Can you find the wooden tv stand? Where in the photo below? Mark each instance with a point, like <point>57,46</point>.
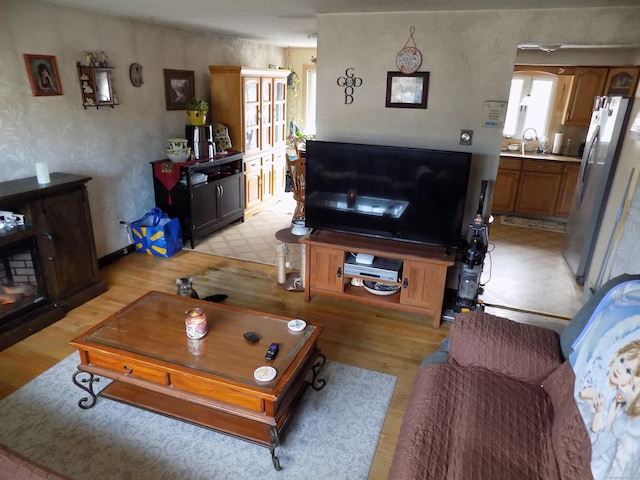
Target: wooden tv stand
<point>424,271</point>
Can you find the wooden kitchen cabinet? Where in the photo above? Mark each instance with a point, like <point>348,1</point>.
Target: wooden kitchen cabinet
<point>251,103</point>
<point>567,189</point>
<point>535,188</point>
<point>622,81</point>
<point>539,186</point>
<point>587,83</point>
<point>424,272</point>
<point>506,187</point>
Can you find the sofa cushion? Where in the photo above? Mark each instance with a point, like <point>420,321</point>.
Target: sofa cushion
<point>569,436</point>
<point>520,351</point>
<point>469,423</point>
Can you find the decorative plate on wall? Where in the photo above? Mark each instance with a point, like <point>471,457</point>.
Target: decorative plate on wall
<point>409,60</point>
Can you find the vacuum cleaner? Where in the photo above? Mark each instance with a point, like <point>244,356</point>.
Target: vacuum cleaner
<point>472,254</point>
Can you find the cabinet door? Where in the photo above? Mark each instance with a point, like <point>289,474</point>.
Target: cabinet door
<point>229,195</point>
<point>251,114</point>
<point>66,243</point>
<point>280,112</point>
<point>267,178</point>
<point>423,284</point>
<point>279,172</point>
<point>504,195</point>
<point>588,82</point>
<point>252,189</point>
<point>506,188</point>
<point>204,205</point>
<point>266,113</point>
<point>326,268</point>
<point>567,189</point>
<point>252,183</point>
<point>622,81</point>
<point>538,193</point>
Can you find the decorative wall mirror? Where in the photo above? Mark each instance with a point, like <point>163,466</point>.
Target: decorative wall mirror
<point>96,86</point>
<point>103,86</point>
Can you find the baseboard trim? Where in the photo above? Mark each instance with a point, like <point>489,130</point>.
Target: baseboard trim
<point>115,256</point>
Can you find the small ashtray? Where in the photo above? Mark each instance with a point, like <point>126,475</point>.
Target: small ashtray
<point>265,374</point>
<point>297,325</point>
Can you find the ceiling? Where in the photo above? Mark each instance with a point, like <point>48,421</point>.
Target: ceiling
<point>293,23</point>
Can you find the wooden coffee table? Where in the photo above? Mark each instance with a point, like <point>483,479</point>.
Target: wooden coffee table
<point>210,381</point>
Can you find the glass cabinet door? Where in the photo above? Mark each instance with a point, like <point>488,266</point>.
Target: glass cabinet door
<point>279,112</point>
<point>267,113</point>
<point>251,114</point>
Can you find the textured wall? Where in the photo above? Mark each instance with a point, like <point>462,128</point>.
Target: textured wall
<point>470,57</point>
<point>114,146</point>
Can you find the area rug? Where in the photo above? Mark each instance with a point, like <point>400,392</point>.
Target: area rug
<point>333,435</point>
<point>548,225</point>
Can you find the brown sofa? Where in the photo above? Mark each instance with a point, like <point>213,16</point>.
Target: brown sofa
<point>497,403</point>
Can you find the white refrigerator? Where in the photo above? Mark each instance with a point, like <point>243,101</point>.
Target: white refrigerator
<point>602,148</point>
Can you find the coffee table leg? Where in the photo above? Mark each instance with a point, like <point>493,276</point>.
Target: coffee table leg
<point>84,402</point>
<point>318,383</point>
<point>275,441</point>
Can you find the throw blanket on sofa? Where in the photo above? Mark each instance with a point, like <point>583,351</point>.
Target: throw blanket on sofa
<point>606,362</point>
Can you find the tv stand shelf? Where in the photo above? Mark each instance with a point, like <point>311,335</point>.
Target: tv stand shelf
<point>424,271</point>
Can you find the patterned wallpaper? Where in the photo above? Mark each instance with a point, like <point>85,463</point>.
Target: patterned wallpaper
<point>113,146</point>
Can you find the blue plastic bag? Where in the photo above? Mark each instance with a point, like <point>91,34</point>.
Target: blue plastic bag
<point>156,234</point>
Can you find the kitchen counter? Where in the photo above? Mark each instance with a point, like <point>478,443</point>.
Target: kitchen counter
<point>539,156</point>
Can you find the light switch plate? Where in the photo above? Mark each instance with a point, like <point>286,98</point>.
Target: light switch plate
<point>465,137</point>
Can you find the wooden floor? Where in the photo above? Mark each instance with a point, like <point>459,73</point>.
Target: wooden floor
<point>367,337</point>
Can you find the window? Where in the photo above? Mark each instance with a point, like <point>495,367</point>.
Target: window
<point>530,101</point>
<point>309,126</point>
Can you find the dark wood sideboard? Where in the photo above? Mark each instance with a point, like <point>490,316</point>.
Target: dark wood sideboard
<point>205,205</point>
<point>58,223</point>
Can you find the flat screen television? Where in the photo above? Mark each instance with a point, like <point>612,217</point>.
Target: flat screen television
<point>408,194</point>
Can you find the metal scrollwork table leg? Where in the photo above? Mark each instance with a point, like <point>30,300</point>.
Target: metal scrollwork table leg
<point>85,402</point>
<point>275,442</point>
<point>318,383</point>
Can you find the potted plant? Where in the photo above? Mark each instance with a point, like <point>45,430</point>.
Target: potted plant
<point>197,110</point>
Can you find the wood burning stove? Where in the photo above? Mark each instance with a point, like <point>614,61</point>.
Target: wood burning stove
<point>22,288</point>
<point>48,264</point>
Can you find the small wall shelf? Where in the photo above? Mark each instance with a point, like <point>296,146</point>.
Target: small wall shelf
<point>96,86</point>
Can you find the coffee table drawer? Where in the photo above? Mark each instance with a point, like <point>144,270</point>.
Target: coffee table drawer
<point>215,391</point>
<point>127,367</point>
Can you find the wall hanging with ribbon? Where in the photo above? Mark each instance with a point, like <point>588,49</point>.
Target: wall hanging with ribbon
<point>409,58</point>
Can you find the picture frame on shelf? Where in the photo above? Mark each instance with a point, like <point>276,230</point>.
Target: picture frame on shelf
<point>407,90</point>
<point>178,88</point>
<point>42,71</point>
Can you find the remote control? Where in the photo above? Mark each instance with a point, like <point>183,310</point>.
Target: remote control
<point>251,337</point>
<point>272,352</point>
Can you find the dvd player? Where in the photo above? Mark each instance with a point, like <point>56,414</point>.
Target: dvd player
<point>387,269</point>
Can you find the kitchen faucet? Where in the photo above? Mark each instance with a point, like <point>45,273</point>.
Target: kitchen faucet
<point>523,142</point>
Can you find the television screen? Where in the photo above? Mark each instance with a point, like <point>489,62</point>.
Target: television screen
<point>409,194</point>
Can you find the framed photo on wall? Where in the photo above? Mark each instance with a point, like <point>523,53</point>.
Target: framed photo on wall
<point>42,71</point>
<point>178,88</point>
<point>407,90</point>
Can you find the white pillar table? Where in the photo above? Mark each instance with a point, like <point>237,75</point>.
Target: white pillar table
<point>293,281</point>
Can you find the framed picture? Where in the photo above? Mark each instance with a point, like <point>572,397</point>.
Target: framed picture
<point>407,90</point>
<point>178,88</point>
<point>42,71</point>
